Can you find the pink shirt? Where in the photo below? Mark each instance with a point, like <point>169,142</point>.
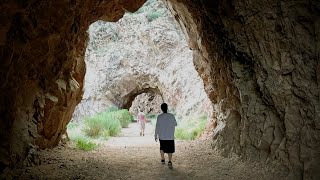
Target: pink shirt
<point>141,118</point>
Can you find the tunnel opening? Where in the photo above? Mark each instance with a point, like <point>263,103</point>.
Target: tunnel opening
<point>258,61</point>
<point>148,103</point>
<point>135,65</point>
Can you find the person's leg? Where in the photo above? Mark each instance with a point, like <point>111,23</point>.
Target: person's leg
<point>170,157</point>
<point>162,155</point>
<point>171,150</point>
<point>161,151</point>
<point>140,129</point>
<point>170,161</point>
<point>143,127</point>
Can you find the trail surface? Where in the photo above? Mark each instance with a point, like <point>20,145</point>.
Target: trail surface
<point>131,156</point>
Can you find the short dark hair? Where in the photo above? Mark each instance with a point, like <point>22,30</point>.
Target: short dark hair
<point>164,107</point>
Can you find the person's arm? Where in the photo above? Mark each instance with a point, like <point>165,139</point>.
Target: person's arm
<point>144,119</point>
<point>175,121</point>
<point>156,133</point>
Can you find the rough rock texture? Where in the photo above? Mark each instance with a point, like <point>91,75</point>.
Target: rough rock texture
<point>260,64</point>
<point>148,103</point>
<point>42,68</point>
<point>259,61</point>
<point>144,51</point>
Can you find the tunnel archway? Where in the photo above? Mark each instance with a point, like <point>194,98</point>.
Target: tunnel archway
<point>260,66</point>
<point>132,95</point>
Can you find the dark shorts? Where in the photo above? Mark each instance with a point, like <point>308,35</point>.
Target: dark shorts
<point>167,146</point>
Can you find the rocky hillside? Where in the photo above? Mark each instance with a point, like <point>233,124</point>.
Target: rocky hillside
<point>143,50</point>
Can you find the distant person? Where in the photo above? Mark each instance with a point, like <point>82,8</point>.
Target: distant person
<point>142,121</point>
<point>165,127</point>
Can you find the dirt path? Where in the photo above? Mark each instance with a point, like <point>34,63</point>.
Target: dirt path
<point>130,156</point>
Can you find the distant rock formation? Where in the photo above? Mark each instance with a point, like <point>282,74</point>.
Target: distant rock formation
<point>144,51</point>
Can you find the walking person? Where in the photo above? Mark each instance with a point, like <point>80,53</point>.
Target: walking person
<point>165,127</point>
<point>142,121</point>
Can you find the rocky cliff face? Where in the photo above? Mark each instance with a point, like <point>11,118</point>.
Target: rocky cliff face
<point>142,51</point>
<point>259,62</point>
<point>263,76</point>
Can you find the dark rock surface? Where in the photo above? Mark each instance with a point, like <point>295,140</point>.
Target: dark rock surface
<point>260,63</point>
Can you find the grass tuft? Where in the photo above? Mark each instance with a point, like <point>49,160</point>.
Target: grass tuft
<point>108,123</point>
<point>124,116</point>
<point>191,128</point>
<point>98,127</point>
<point>85,144</point>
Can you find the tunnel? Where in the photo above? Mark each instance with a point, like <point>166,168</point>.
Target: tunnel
<point>259,62</point>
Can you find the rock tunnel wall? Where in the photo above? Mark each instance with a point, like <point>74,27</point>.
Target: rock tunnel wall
<point>263,76</point>
<point>259,62</point>
<point>42,45</point>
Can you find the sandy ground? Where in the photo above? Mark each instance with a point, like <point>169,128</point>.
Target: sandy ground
<point>131,156</point>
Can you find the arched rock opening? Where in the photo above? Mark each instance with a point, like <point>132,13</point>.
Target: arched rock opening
<point>132,95</point>
<point>148,103</point>
<point>259,62</point>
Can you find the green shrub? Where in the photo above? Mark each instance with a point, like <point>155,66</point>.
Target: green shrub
<point>153,122</point>
<point>191,128</point>
<point>124,116</point>
<point>103,124</point>
<point>85,144</point>
<point>153,15</point>
<point>182,134</point>
<point>93,126</point>
<point>107,123</point>
<point>112,108</point>
<point>74,132</point>
<point>151,116</point>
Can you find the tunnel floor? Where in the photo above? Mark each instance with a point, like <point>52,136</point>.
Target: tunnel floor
<point>130,156</point>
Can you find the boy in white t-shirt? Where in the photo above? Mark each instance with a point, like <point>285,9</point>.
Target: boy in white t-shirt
<point>165,128</point>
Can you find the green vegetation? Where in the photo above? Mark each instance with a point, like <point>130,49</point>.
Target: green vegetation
<point>151,10</point>
<point>124,116</point>
<point>151,16</point>
<point>97,127</point>
<point>153,122</point>
<point>190,129</point>
<point>85,144</point>
<point>108,123</point>
<point>81,141</point>
<point>151,116</point>
<point>112,108</point>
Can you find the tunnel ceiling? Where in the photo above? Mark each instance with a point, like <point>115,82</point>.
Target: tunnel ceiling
<point>259,62</point>
<point>132,95</point>
<point>123,91</point>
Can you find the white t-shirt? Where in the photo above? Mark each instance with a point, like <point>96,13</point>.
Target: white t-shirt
<point>165,126</point>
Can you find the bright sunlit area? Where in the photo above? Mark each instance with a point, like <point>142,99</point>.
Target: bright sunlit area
<point>133,66</point>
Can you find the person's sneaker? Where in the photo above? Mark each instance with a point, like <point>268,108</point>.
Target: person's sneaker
<point>170,165</point>
<point>140,133</point>
<point>163,161</point>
